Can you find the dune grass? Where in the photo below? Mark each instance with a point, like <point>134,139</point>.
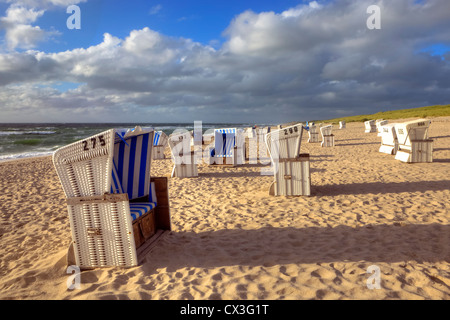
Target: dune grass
<point>423,112</point>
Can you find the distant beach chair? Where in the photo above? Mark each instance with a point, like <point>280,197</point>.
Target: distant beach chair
<point>291,168</point>
<point>263,153</point>
<point>370,126</point>
<point>251,132</point>
<point>183,158</point>
<point>389,141</point>
<point>159,145</point>
<point>413,142</point>
<point>313,133</point>
<point>229,144</point>
<point>341,124</point>
<point>116,210</point>
<point>327,136</point>
<point>379,124</point>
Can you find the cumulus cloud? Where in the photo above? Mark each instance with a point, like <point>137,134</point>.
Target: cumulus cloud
<point>20,17</point>
<point>312,61</point>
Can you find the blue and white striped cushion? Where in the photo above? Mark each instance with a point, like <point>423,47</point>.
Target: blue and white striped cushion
<point>138,209</point>
<point>132,162</point>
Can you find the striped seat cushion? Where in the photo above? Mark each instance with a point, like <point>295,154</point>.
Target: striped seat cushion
<point>132,161</point>
<point>138,209</point>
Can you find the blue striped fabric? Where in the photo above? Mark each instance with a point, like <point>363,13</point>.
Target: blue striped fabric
<point>224,142</point>
<point>116,186</point>
<point>139,209</point>
<point>132,159</point>
<point>156,138</point>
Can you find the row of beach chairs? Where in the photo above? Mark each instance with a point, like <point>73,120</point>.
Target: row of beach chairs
<point>408,141</point>
<point>117,211</point>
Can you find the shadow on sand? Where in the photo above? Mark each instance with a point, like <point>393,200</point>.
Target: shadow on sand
<point>270,246</point>
<point>381,187</point>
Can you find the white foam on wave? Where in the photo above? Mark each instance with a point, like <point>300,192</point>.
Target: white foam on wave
<point>23,155</point>
<point>9,133</point>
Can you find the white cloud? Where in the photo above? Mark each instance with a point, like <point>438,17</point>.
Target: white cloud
<point>20,17</point>
<point>155,9</point>
<point>19,33</point>
<point>312,61</point>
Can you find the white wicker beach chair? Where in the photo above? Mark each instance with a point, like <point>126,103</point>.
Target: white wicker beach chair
<point>263,153</point>
<point>327,136</point>
<point>313,133</point>
<point>413,142</point>
<point>341,124</point>
<point>115,208</point>
<point>291,168</point>
<point>159,145</point>
<point>185,164</point>
<point>378,124</point>
<point>389,141</point>
<point>370,126</point>
<point>229,147</point>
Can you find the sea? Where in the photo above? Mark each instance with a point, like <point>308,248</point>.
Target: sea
<point>25,140</point>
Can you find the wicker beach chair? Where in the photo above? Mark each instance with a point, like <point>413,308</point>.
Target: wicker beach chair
<point>185,164</point>
<point>116,210</point>
<point>313,133</point>
<point>389,141</point>
<point>341,124</point>
<point>291,168</point>
<point>160,141</point>
<point>370,126</point>
<point>413,142</point>
<point>327,136</point>
<point>229,147</point>
<point>378,124</point>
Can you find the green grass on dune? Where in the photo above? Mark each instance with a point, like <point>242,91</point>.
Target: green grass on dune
<point>423,112</point>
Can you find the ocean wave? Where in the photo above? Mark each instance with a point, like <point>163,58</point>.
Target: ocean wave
<point>8,133</point>
<point>25,155</point>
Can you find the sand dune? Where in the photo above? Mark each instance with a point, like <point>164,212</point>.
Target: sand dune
<point>231,240</point>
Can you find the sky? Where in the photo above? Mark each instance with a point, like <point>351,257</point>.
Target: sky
<point>220,61</point>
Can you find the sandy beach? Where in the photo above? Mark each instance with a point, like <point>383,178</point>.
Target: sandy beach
<point>231,240</point>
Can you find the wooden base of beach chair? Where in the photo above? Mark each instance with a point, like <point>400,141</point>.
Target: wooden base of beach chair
<point>158,152</point>
<point>292,177</point>
<point>328,141</point>
<point>419,151</point>
<point>144,228</point>
<point>148,228</point>
<point>313,137</point>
